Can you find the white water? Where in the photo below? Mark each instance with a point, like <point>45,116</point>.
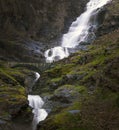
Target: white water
<point>36,103</point>
<point>40,114</point>
<point>58,53</point>
<point>37,75</point>
<point>79,31</point>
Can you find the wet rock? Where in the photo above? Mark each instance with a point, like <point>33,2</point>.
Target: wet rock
<point>2,122</point>
<point>74,111</point>
<point>65,94</point>
<point>30,82</point>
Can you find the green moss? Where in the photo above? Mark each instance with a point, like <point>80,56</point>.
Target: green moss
<point>88,76</point>
<point>72,89</point>
<point>56,79</point>
<point>12,94</point>
<point>59,70</point>
<point>7,75</point>
<point>66,116</point>
<point>93,74</point>
<point>107,95</point>
<point>81,89</point>
<point>101,101</point>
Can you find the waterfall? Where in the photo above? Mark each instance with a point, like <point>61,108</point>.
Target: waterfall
<point>40,114</point>
<point>81,30</point>
<point>37,75</point>
<point>36,103</point>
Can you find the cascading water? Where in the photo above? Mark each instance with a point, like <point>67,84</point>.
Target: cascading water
<point>37,75</point>
<point>36,102</point>
<point>81,30</point>
<point>40,114</point>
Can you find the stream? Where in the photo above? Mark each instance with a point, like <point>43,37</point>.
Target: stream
<point>36,103</point>
<point>82,30</point>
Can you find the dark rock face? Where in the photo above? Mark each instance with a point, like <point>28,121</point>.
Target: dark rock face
<point>42,19</point>
<point>20,50</point>
<point>22,23</point>
<point>110,19</point>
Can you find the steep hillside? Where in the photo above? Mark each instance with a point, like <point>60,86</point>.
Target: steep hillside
<point>83,90</point>
<point>13,96</point>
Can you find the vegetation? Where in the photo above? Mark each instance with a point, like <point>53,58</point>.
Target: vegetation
<point>82,91</point>
<point>88,80</point>
<point>13,96</point>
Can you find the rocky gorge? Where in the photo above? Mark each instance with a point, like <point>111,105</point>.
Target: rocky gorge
<point>80,92</point>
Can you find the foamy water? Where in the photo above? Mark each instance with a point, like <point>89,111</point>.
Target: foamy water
<point>36,103</point>
<point>40,114</point>
<point>81,30</point>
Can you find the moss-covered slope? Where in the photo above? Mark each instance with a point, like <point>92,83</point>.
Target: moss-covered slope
<point>13,97</point>
<point>85,87</point>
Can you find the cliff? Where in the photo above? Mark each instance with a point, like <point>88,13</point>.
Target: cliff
<point>22,23</point>
<point>31,27</point>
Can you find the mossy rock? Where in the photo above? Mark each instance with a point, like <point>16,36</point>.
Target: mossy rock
<point>13,97</point>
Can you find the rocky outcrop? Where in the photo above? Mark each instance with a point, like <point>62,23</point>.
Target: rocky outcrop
<point>22,23</point>
<point>13,98</point>
<point>110,19</point>
<point>20,50</point>
<point>87,81</point>
<point>43,19</point>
